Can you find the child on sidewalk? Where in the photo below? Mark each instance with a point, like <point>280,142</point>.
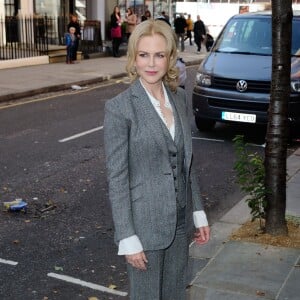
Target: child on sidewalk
<point>71,45</point>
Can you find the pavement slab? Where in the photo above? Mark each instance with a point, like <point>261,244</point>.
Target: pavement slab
<point>202,293</point>
<point>249,269</point>
<point>219,233</point>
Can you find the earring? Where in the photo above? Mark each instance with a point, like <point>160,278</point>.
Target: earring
<point>133,70</point>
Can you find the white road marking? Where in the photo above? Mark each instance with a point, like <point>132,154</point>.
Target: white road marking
<point>8,262</point>
<point>206,139</point>
<point>87,284</point>
<point>75,136</point>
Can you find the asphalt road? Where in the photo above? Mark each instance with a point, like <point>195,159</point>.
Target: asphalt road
<point>52,157</point>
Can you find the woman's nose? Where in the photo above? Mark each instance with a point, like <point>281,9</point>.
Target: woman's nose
<point>151,60</point>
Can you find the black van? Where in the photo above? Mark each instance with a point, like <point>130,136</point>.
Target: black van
<point>233,82</point>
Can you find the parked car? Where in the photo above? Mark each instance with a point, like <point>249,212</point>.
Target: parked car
<point>233,82</point>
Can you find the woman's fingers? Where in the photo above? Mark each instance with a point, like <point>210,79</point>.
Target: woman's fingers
<point>202,235</point>
<point>138,260</point>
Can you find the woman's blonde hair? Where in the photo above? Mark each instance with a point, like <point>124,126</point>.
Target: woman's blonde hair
<point>149,28</point>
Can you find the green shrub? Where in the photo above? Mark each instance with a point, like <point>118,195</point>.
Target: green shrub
<point>250,176</point>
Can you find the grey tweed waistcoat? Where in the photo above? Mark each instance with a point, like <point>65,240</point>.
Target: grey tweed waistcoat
<point>176,157</point>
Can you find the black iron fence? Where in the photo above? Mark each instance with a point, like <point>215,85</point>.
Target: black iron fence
<point>22,37</point>
<point>91,40</point>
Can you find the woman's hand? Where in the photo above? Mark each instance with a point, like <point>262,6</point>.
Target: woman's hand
<point>138,260</point>
<point>202,235</point>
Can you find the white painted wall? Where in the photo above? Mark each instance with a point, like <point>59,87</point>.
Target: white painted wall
<point>26,8</point>
<point>1,8</point>
<point>214,15</point>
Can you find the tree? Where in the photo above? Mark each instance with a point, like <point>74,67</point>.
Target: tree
<point>277,129</point>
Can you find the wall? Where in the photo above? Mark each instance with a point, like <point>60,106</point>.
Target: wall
<point>26,8</point>
<point>214,15</point>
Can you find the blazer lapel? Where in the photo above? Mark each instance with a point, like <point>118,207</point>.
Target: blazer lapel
<point>147,113</point>
<point>181,108</point>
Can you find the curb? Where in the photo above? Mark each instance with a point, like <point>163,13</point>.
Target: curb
<point>65,86</point>
<point>59,87</point>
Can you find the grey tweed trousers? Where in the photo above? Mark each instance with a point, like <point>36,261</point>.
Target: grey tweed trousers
<point>165,277</point>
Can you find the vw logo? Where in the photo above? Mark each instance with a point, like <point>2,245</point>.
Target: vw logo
<point>241,86</point>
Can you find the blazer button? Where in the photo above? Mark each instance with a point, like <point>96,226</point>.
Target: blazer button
<point>175,178</point>
<point>176,190</point>
<point>173,167</point>
<point>174,154</point>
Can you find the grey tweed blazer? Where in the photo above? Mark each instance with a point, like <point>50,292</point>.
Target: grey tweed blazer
<point>141,184</point>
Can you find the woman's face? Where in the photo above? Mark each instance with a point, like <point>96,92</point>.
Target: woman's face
<point>151,60</point>
<point>117,10</point>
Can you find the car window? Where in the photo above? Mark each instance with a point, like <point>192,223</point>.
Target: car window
<point>249,36</point>
<point>253,36</point>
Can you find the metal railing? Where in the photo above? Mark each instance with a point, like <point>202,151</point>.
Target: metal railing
<point>91,40</point>
<point>22,37</point>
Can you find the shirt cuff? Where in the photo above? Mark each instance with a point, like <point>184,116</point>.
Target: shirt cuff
<point>130,245</point>
<point>200,219</point>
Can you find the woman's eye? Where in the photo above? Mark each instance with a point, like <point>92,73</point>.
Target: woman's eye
<point>143,54</point>
<point>160,55</point>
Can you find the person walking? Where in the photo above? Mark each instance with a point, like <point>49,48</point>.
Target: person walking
<point>190,27</point>
<point>199,33</point>
<point>116,30</point>
<point>75,23</point>
<point>153,188</point>
<point>180,27</point>
<point>131,21</point>
<point>163,17</point>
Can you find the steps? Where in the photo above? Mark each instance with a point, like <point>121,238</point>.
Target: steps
<point>58,54</point>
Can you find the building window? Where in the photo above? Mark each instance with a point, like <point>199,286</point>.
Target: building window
<point>50,7</point>
<point>11,7</point>
<point>80,9</point>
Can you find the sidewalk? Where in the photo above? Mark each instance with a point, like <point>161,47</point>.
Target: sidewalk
<point>236,270</point>
<point>221,269</point>
<point>23,82</point>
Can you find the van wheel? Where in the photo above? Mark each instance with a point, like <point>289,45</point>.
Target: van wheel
<point>204,124</point>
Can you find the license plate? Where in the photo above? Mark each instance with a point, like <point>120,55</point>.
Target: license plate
<point>237,117</point>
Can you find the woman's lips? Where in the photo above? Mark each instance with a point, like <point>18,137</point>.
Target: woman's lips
<point>151,72</point>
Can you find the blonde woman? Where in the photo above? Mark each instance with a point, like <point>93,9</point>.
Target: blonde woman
<point>153,190</point>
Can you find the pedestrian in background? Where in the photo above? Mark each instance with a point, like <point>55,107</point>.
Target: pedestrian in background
<point>189,29</point>
<point>70,38</point>
<point>199,33</point>
<point>163,13</point>
<point>162,17</point>
<point>180,27</point>
<point>116,30</point>
<point>75,23</point>
<point>131,21</point>
<point>209,41</point>
<point>146,15</point>
<point>153,187</point>
<point>182,76</point>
